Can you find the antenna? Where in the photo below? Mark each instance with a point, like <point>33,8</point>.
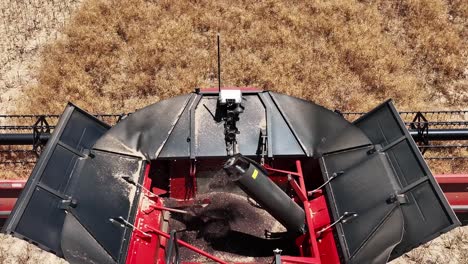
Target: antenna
<point>219,66</point>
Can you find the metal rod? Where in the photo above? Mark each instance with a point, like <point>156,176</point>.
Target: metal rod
<point>22,139</point>
<point>28,116</point>
<point>431,134</point>
<point>441,134</point>
<point>447,158</point>
<point>187,245</point>
<point>442,146</point>
<point>297,188</point>
<point>170,209</point>
<point>440,123</point>
<point>219,65</point>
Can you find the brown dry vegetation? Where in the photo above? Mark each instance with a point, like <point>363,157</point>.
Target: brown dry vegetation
<point>349,55</point>
<point>449,166</point>
<point>450,248</point>
<point>25,27</point>
<point>15,251</point>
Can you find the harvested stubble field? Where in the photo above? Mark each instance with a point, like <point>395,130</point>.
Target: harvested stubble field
<point>118,56</point>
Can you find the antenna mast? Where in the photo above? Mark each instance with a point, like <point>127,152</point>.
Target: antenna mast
<point>219,66</point>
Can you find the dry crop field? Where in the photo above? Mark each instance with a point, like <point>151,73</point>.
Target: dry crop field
<point>117,56</point>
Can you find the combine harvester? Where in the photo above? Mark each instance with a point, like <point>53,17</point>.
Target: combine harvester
<point>231,176</point>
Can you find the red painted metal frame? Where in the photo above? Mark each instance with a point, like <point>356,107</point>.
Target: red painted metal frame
<point>180,177</point>
<point>148,241</point>
<point>143,248</point>
<point>12,184</point>
<point>158,232</point>
<point>455,188</point>
<point>319,249</point>
<point>452,178</point>
<point>9,193</point>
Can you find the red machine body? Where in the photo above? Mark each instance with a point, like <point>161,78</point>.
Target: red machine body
<point>149,241</point>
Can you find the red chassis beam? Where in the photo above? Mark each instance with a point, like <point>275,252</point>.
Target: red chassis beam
<point>149,237</point>
<point>454,186</point>
<point>9,193</point>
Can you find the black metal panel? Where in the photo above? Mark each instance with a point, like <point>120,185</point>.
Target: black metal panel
<point>386,236</point>
<point>83,131</point>
<point>179,142</point>
<point>79,247</point>
<point>427,213</point>
<point>145,132</point>
<point>102,193</point>
<point>63,165</point>
<point>209,134</point>
<point>185,127</point>
<point>281,139</point>
<point>370,178</point>
<point>40,217</point>
<point>346,159</point>
<point>318,129</point>
<point>37,211</point>
<point>364,187</point>
<point>376,180</point>
<point>250,123</point>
